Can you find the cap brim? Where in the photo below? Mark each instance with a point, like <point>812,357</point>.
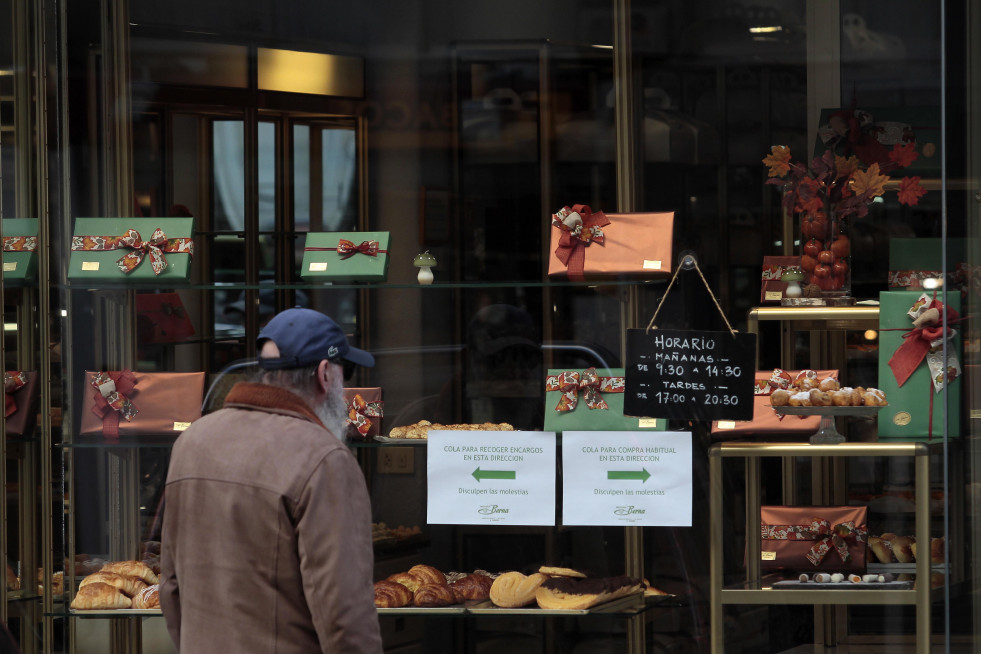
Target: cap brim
<point>360,357</point>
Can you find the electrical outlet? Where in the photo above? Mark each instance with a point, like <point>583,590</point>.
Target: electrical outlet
<point>396,460</point>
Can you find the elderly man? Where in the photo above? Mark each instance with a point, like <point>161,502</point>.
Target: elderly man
<point>266,543</point>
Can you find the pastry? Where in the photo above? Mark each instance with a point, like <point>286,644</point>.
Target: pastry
<point>902,548</point>
<point>99,595</point>
<point>57,582</point>
<point>553,571</point>
<point>428,574</point>
<point>819,397</point>
<point>780,397</point>
<point>391,595</point>
<point>881,548</point>
<point>937,550</point>
<point>433,595</point>
<point>129,585</point>
<point>570,593</point>
<point>471,587</point>
<point>420,430</point>
<point>874,397</point>
<point>407,579</point>
<point>651,591</point>
<point>806,380</point>
<point>148,598</point>
<point>513,589</point>
<point>800,399</point>
<point>829,384</point>
<point>133,569</point>
<point>13,583</point>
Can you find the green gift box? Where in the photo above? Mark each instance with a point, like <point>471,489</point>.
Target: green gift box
<point>609,387</point>
<point>345,256</point>
<point>907,415</point>
<point>131,250</point>
<point>19,250</point>
<point>913,260</point>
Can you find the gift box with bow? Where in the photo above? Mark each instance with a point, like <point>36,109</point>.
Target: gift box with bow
<point>590,244</point>
<point>19,248</point>
<point>911,365</point>
<point>162,318</point>
<point>813,538</point>
<point>20,390</point>
<point>157,250</point>
<point>345,256</point>
<point>365,411</point>
<point>122,403</point>
<point>915,260</point>
<point>590,400</point>
<point>765,420</point>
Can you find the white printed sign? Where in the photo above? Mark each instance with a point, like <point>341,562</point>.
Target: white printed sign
<point>491,477</point>
<point>627,478</point>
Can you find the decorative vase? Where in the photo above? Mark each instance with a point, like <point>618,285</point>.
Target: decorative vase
<point>826,259</point>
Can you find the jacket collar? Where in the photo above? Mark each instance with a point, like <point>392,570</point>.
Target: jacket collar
<point>264,397</point>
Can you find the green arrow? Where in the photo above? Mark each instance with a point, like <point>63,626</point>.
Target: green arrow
<point>629,475</point>
<point>479,474</point>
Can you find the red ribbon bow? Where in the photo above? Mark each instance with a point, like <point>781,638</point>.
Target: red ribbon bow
<point>360,412</point>
<point>917,342</point>
<point>154,248</point>
<point>348,249</point>
<point>826,538</point>
<point>592,386</point>
<point>110,392</point>
<point>577,233</point>
<point>12,382</point>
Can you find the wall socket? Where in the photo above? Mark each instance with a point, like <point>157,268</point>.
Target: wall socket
<point>396,460</point>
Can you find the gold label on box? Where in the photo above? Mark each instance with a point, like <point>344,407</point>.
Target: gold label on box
<point>726,424</point>
<point>902,418</point>
<point>773,295</point>
<point>975,413</point>
<point>90,265</point>
<point>318,266</point>
<point>181,426</point>
<point>647,423</point>
<point>652,264</point>
<point>9,266</point>
<point>769,556</point>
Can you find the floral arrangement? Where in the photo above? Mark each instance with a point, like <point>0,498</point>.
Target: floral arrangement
<point>826,194</point>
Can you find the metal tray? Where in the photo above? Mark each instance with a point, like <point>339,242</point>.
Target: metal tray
<point>827,410</point>
<point>114,613</point>
<point>635,600</point>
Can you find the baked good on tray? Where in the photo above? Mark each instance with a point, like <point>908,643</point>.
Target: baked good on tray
<point>471,587</point>
<point>433,596</point>
<point>391,595</point>
<point>99,595</point>
<point>513,589</point>
<point>571,593</point>
<point>420,430</point>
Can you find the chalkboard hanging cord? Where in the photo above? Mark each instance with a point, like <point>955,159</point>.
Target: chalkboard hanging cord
<point>689,262</point>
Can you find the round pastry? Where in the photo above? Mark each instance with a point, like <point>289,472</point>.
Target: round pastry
<point>881,548</point>
<point>513,589</point>
<point>780,397</point>
<point>407,579</point>
<point>902,548</point>
<point>829,384</point>
<point>873,398</point>
<point>471,587</point>
<point>842,397</point>
<point>433,595</point>
<point>428,574</point>
<point>800,399</point>
<point>819,397</point>
<point>806,380</point>
<point>391,595</point>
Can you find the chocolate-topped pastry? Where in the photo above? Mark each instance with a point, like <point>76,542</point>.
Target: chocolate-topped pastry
<point>578,594</point>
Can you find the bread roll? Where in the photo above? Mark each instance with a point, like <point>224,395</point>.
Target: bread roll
<point>881,548</point>
<point>148,598</point>
<point>129,585</point>
<point>391,595</point>
<point>99,595</point>
<point>471,587</point>
<point>133,569</point>
<point>513,589</point>
<point>428,574</point>
<point>433,595</point>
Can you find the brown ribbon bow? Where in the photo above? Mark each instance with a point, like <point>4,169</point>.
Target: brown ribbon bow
<point>576,234</point>
<point>153,248</point>
<point>12,382</point>
<point>592,386</point>
<point>110,392</point>
<point>826,538</point>
<point>360,412</point>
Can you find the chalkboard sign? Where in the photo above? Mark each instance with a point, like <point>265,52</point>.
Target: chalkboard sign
<point>689,375</point>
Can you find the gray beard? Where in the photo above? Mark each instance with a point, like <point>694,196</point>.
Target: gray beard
<point>333,412</point>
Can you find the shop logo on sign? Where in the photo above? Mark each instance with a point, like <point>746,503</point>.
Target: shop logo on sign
<point>629,510</point>
<point>491,509</point>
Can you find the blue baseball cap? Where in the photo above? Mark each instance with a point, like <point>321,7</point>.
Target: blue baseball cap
<point>306,337</point>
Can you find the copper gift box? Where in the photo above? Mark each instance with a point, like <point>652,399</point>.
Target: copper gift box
<point>20,403</point>
<point>634,244</point>
<point>141,403</point>
<point>813,538</point>
<point>365,412</point>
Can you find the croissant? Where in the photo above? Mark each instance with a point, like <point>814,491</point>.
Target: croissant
<point>513,589</point>
<point>428,574</point>
<point>129,585</point>
<point>433,595</point>
<point>471,587</point>
<point>391,595</point>
<point>13,582</point>
<point>148,598</point>
<point>99,595</point>
<point>132,569</point>
<point>407,579</point>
